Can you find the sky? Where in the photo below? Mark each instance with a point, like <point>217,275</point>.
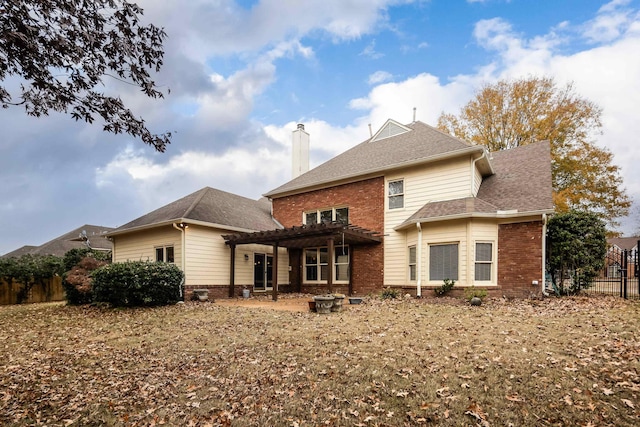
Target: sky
<point>242,74</point>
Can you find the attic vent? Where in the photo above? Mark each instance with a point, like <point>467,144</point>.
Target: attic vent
<point>390,129</point>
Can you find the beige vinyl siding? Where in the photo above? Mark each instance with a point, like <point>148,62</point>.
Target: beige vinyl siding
<point>140,246</point>
<point>477,180</point>
<point>208,259</point>
<point>433,182</point>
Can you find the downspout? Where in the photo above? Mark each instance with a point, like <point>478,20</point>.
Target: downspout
<point>473,170</point>
<point>544,253</point>
<point>182,257</point>
<point>419,260</point>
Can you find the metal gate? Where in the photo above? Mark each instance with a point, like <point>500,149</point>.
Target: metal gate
<point>619,275</point>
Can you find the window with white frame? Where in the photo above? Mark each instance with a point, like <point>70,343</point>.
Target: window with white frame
<point>614,271</point>
<point>316,264</point>
<point>484,261</point>
<point>164,254</point>
<point>443,261</point>
<point>412,263</point>
<point>341,263</point>
<point>340,215</point>
<point>395,194</point>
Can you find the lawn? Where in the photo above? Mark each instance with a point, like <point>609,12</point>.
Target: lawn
<point>570,361</point>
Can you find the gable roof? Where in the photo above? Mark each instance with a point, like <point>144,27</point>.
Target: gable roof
<point>420,144</point>
<point>628,243</point>
<point>96,234</point>
<point>521,185</point>
<point>209,206</point>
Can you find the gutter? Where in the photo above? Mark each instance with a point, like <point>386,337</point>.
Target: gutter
<point>181,227</point>
<point>419,256</point>
<point>544,253</point>
<point>473,170</point>
<point>496,215</point>
<point>181,221</point>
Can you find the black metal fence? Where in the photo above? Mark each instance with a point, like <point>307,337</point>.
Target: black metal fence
<point>619,275</point>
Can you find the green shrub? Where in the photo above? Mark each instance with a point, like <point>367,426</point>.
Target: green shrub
<point>389,293</point>
<point>473,292</point>
<point>138,283</point>
<point>446,287</point>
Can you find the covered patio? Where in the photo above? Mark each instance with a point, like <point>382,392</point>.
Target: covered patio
<point>327,234</point>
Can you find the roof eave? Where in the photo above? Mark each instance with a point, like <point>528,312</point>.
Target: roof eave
<point>490,215</point>
<point>177,221</point>
<point>371,173</point>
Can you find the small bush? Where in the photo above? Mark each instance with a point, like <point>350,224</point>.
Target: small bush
<point>77,282</point>
<point>474,292</point>
<point>446,287</point>
<point>389,293</point>
<point>138,283</point>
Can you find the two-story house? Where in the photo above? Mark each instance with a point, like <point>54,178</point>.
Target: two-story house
<point>407,208</point>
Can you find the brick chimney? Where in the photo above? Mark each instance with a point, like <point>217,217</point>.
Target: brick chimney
<point>300,158</point>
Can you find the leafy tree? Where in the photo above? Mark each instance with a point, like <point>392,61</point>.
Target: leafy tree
<point>577,245</point>
<point>62,51</point>
<point>511,113</point>
<point>30,270</point>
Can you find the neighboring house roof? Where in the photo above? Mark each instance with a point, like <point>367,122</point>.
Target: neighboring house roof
<point>212,207</point>
<point>416,143</point>
<point>19,252</point>
<point>96,235</point>
<point>521,184</point>
<point>628,243</point>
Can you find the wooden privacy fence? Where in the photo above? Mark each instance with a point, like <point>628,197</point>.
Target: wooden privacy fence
<point>50,290</point>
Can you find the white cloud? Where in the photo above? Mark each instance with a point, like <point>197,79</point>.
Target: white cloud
<point>379,77</point>
<point>606,74</point>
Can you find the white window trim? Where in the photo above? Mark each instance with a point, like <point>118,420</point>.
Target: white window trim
<point>318,211</point>
<point>319,281</point>
<point>403,194</point>
<point>164,253</point>
<point>492,262</point>
<point>414,264</point>
<point>428,273</point>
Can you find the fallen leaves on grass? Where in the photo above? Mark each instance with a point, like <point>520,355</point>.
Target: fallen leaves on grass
<point>406,362</point>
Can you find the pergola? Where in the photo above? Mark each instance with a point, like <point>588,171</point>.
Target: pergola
<point>323,234</point>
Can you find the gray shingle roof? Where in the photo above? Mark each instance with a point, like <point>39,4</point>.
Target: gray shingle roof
<point>422,143</point>
<point>212,206</point>
<point>627,243</point>
<point>60,245</point>
<point>522,183</point>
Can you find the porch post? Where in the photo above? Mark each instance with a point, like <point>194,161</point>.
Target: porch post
<point>232,271</point>
<point>350,270</point>
<point>330,277</point>
<point>274,273</point>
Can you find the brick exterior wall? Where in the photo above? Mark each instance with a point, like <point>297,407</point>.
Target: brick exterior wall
<point>365,200</point>
<point>520,259</point>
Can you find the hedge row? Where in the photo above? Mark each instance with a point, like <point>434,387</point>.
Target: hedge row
<point>138,283</point>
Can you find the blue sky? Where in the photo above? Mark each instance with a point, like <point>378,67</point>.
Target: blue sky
<point>243,73</point>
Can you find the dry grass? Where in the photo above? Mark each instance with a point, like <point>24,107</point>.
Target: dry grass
<point>572,361</point>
